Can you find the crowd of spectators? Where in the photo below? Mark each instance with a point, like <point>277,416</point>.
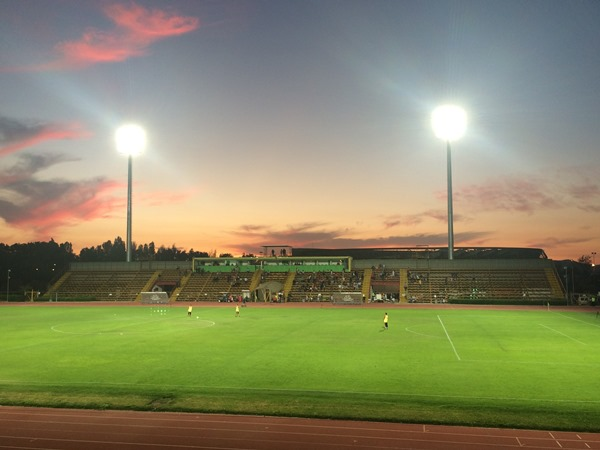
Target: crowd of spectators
<point>319,286</point>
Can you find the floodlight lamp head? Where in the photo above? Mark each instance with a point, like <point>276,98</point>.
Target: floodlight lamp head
<point>130,139</point>
<point>449,122</point>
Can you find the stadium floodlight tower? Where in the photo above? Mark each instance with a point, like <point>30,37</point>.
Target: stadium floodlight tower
<point>449,123</point>
<point>131,141</point>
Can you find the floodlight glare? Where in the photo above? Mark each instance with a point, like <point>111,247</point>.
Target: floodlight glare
<point>449,122</point>
<point>130,139</point>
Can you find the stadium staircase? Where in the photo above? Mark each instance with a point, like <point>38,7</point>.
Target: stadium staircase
<point>555,285</point>
<point>366,283</point>
<point>255,281</point>
<point>184,280</point>
<point>289,284</point>
<point>59,282</point>
<point>148,286</point>
<point>403,285</point>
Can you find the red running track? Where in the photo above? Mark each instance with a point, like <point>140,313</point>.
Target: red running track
<point>69,429</point>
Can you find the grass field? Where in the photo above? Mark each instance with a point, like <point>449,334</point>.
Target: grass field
<point>506,368</point>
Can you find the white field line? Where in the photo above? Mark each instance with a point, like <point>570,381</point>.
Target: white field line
<point>449,339</point>
<point>562,334</point>
<point>579,320</point>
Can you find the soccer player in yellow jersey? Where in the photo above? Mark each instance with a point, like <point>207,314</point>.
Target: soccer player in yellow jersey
<point>190,310</point>
<point>237,310</point>
<point>385,321</point>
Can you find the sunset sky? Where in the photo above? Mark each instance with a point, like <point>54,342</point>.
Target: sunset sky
<point>301,122</point>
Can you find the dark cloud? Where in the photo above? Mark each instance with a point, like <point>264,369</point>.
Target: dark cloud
<point>316,235</point>
<point>416,219</point>
<point>558,242</point>
<point>28,164</point>
<point>18,135</point>
<point>12,130</point>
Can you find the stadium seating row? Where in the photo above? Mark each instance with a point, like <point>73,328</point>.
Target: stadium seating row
<point>401,284</point>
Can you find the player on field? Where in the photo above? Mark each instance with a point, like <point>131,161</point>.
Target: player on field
<point>385,321</point>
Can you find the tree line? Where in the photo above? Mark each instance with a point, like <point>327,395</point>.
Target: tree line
<point>34,266</point>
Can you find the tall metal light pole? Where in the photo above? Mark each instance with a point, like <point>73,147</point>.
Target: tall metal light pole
<point>131,140</point>
<point>449,123</point>
<point>7,284</point>
<point>566,285</point>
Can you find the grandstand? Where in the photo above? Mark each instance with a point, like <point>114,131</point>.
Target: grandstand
<point>405,275</point>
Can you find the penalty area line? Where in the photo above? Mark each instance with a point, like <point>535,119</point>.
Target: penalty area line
<point>449,339</point>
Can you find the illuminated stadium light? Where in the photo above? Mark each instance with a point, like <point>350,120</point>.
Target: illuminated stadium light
<point>131,141</point>
<point>449,123</point>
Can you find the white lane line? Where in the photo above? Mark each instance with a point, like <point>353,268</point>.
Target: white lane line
<point>449,339</point>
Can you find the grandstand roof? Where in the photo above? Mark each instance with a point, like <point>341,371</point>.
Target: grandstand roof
<point>426,252</point>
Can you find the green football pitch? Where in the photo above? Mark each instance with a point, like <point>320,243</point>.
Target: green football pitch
<point>506,368</point>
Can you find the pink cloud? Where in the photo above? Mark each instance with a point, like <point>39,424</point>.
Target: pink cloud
<point>68,203</point>
<point>585,191</point>
<point>136,28</point>
<point>510,194</point>
<point>149,25</point>
<point>96,47</point>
